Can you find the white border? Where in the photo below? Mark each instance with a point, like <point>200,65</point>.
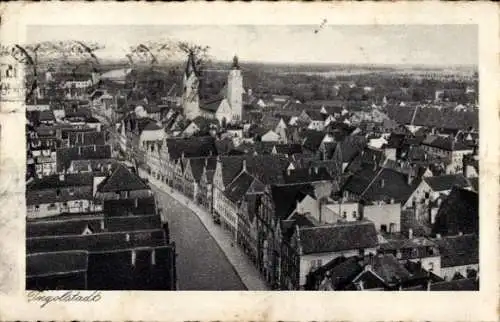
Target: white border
<point>181,306</point>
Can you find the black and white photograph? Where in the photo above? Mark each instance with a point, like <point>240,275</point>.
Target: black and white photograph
<point>252,157</point>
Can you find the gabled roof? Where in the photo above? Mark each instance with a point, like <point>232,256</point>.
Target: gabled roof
<point>237,189</point>
<point>303,175</point>
<point>191,147</point>
<point>122,179</point>
<point>151,126</point>
<point>339,237</point>
<point>380,185</point>
<point>459,212</point>
<point>86,138</point>
<point>54,181</point>
<point>55,263</point>
<point>445,143</point>
<point>285,198</point>
<point>266,168</point>
<point>446,182</point>
<point>65,156</point>
<point>313,139</point>
<point>212,105</point>
<point>315,115</point>
<point>458,250</point>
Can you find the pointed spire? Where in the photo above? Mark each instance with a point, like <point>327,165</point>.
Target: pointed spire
<point>191,66</point>
<point>235,63</point>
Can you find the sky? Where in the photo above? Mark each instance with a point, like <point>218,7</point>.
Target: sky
<point>356,44</point>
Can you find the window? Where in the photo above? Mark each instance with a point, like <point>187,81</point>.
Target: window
<point>354,214</point>
<point>383,228</point>
<point>344,214</point>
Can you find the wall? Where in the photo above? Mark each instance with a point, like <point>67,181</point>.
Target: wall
<point>308,205</point>
<point>334,212</point>
<point>448,272</point>
<point>385,214</point>
<point>429,263</point>
<point>155,135</point>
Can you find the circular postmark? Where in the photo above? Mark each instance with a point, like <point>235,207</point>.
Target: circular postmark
<point>16,66</point>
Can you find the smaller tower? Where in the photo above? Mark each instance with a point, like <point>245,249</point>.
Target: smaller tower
<point>235,91</point>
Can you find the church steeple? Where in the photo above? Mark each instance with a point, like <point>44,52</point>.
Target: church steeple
<point>191,66</point>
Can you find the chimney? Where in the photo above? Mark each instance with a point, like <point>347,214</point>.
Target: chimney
<point>95,148</point>
<point>382,183</point>
<point>438,236</point>
<point>61,177</point>
<point>460,233</point>
<point>410,233</point>
<point>297,206</point>
<point>153,257</point>
<point>288,171</point>
<point>244,167</point>
<point>133,257</point>
<point>429,282</point>
<point>79,150</point>
<point>316,170</point>
<point>136,203</point>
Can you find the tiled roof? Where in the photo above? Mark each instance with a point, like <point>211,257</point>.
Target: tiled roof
<point>38,197</point>
<point>266,168</point>
<point>191,147</point>
<point>458,213</point>
<point>339,237</point>
<point>91,152</point>
<point>468,284</point>
<point>86,138</point>
<point>132,223</point>
<point>54,181</point>
<point>237,189</point>
<point>432,117</point>
<point>380,185</point>
<point>303,175</point>
<point>64,226</point>
<point>458,250</point>
<point>124,207</point>
<point>447,182</point>
<point>197,165</point>
<point>122,179</point>
<point>288,148</point>
<point>212,105</point>
<point>285,198</point>
<point>47,115</point>
<point>445,143</point>
<point>46,264</point>
<point>315,115</point>
<point>312,139</point>
<point>97,242</point>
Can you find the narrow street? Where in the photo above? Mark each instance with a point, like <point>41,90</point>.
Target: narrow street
<point>201,264</point>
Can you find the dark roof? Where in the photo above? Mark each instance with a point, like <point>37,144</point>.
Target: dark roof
<point>459,212</point>
<point>458,250</point>
<point>447,182</point>
<point>55,181</point>
<point>339,237</point>
<point>303,175</point>
<point>151,126</point>
<point>63,226</point>
<point>122,179</point>
<point>312,139</point>
<point>474,182</point>
<point>191,147</point>
<point>124,207</point>
<point>288,148</point>
<point>237,189</point>
<point>54,263</point>
<point>266,168</point>
<point>212,104</point>
<point>97,242</point>
<point>445,143</point>
<point>433,117</point>
<point>46,115</point>
<point>86,138</point>
<point>91,152</point>
<point>315,115</point>
<point>380,184</point>
<point>469,284</point>
<point>285,198</point>
<point>38,197</point>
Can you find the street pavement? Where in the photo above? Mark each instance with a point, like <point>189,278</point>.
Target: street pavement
<point>206,251</point>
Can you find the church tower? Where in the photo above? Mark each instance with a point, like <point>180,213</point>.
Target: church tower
<point>190,93</point>
<point>235,91</point>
